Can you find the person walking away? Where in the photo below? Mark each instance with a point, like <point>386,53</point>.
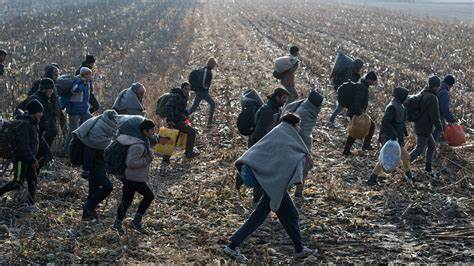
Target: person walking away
<point>338,79</point>
<point>139,158</point>
<point>444,100</point>
<point>130,100</point>
<point>288,77</point>
<point>394,128</point>
<point>3,56</point>
<point>202,91</point>
<point>359,104</point>
<point>77,106</point>
<point>89,62</point>
<point>266,119</point>
<point>276,162</point>
<point>96,134</point>
<point>176,113</point>
<point>308,110</point>
<point>428,120</point>
<point>26,164</point>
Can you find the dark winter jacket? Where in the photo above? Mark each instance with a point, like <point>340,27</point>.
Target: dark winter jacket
<point>429,117</point>
<point>2,69</point>
<point>340,79</point>
<point>207,81</point>
<point>50,109</point>
<point>360,100</point>
<point>444,100</point>
<point>94,104</point>
<point>393,121</point>
<point>29,141</point>
<point>266,119</point>
<point>175,108</point>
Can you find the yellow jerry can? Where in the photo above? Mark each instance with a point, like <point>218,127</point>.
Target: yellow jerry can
<point>172,136</point>
<point>183,137</point>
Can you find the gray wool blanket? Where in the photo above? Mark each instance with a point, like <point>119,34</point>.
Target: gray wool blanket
<point>128,101</point>
<point>98,132</point>
<point>277,161</point>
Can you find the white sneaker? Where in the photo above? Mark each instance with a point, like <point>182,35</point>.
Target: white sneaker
<point>432,174</point>
<point>305,253</point>
<point>235,254</point>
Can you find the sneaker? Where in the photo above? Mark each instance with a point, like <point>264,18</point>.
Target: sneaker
<point>192,155</point>
<point>88,216</point>
<point>119,227</point>
<point>367,148</point>
<point>346,153</point>
<point>305,253</point>
<point>372,181</point>
<point>32,209</point>
<point>432,174</point>
<point>235,254</point>
<point>409,176</point>
<point>138,226</point>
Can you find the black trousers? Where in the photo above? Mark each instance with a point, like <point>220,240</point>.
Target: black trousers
<point>129,189</point>
<point>191,132</point>
<point>22,171</point>
<point>100,186</point>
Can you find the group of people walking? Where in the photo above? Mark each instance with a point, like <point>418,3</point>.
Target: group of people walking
<point>281,136</point>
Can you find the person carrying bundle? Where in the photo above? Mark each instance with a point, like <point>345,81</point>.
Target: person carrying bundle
<point>358,101</point>
<point>444,100</point>
<point>285,68</point>
<point>89,62</point>
<point>393,128</point>
<point>130,100</point>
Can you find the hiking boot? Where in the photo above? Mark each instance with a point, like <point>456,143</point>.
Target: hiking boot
<point>119,227</point>
<point>330,124</point>
<point>305,253</point>
<point>191,155</point>
<point>409,176</point>
<point>346,153</point>
<point>137,224</point>
<point>372,181</point>
<point>88,215</point>
<point>235,254</point>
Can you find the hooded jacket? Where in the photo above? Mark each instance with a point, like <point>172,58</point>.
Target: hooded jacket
<point>139,158</point>
<point>97,132</point>
<point>360,100</point>
<point>265,120</point>
<point>444,100</point>
<point>175,108</point>
<point>430,116</point>
<point>50,109</point>
<point>29,140</point>
<point>127,103</point>
<point>79,100</point>
<point>393,121</point>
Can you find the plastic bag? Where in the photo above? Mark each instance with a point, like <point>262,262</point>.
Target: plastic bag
<point>390,155</point>
<point>359,126</point>
<point>454,135</point>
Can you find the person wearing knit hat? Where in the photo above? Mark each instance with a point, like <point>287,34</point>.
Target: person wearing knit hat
<point>201,86</point>
<point>358,106</point>
<point>26,158</point>
<point>130,100</point>
<point>427,121</point>
<point>444,100</point>
<point>89,62</point>
<point>52,72</point>
<point>266,118</point>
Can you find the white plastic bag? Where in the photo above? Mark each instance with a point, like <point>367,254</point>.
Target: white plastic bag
<point>390,155</point>
<point>285,63</point>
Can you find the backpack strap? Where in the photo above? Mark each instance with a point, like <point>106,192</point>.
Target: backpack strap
<point>204,78</point>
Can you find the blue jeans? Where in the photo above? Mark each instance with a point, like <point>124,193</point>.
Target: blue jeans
<point>206,97</point>
<point>287,214</point>
<point>100,186</point>
<point>74,122</point>
<point>337,111</point>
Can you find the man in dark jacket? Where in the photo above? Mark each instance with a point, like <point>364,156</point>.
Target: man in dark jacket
<point>45,95</point>
<point>424,125</point>
<point>3,56</point>
<point>393,128</point>
<point>444,100</point>
<point>93,102</point>
<point>202,92</point>
<point>360,102</point>
<point>266,119</point>
<point>341,78</point>
<point>176,114</point>
<point>25,161</point>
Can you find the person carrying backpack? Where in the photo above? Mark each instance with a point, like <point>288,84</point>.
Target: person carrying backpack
<point>358,106</point>
<point>444,100</point>
<point>77,106</point>
<point>338,79</point>
<point>428,119</point>
<point>200,85</point>
<point>96,134</point>
<point>138,161</point>
<point>26,162</point>
<point>89,62</point>
<point>130,101</point>
<point>308,110</point>
<point>274,172</point>
<point>175,110</point>
<point>394,128</point>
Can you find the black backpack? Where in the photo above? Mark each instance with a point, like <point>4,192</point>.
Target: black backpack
<point>413,107</point>
<point>8,131</point>
<point>345,94</point>
<point>76,151</point>
<point>197,79</point>
<point>246,119</point>
<point>64,84</point>
<point>161,104</point>
<point>277,75</point>
<point>115,156</point>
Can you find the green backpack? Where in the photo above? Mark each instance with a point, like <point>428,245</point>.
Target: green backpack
<point>8,130</point>
<point>161,104</point>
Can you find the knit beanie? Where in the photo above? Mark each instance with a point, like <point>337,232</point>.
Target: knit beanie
<point>371,76</point>
<point>84,70</point>
<point>278,92</point>
<point>315,98</point>
<point>90,59</point>
<point>34,107</point>
<point>434,81</point>
<point>211,62</point>
<point>137,87</point>
<point>449,80</point>
<point>49,71</point>
<point>46,84</point>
